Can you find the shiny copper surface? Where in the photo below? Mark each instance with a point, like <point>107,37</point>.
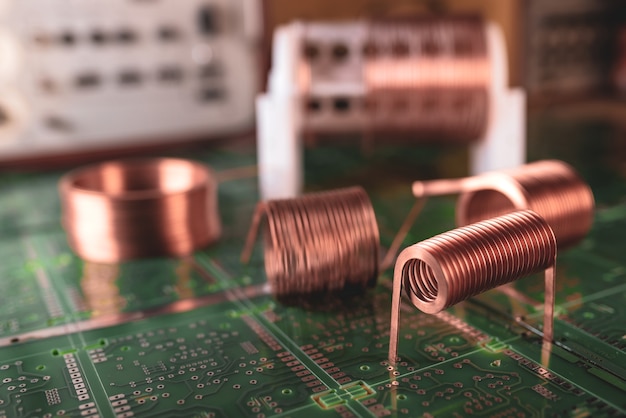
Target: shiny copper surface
<point>427,77</point>
<point>451,267</point>
<point>318,243</point>
<point>434,70</point>
<point>551,188</point>
<point>127,209</point>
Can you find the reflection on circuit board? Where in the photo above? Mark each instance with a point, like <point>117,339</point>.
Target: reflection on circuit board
<point>203,336</point>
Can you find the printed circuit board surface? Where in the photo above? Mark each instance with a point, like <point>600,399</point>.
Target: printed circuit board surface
<point>203,336</point>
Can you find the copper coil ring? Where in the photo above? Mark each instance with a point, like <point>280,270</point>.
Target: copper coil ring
<point>451,267</point>
<point>120,210</point>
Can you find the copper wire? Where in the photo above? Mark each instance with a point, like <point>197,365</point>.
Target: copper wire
<point>321,242</point>
<point>451,267</point>
<point>551,188</point>
<point>428,77</point>
<point>121,210</point>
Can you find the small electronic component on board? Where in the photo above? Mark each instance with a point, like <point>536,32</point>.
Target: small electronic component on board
<point>319,242</point>
<point>442,79</point>
<point>126,209</point>
<point>456,265</point>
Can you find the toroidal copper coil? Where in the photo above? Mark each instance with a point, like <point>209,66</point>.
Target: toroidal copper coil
<point>451,267</point>
<point>121,210</point>
<point>428,76</point>
<point>319,242</point>
<point>551,188</point>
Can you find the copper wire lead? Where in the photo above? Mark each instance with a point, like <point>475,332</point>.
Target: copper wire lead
<point>121,210</point>
<point>318,243</point>
<point>451,267</point>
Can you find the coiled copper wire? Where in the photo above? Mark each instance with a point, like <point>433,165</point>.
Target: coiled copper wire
<point>451,267</point>
<point>318,243</point>
<point>426,76</point>
<point>551,188</point>
<point>436,71</point>
<point>121,210</point>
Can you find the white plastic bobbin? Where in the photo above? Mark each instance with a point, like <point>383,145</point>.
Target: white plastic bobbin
<point>281,119</point>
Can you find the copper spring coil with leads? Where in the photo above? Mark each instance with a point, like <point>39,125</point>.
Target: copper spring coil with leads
<point>551,188</point>
<point>318,243</point>
<point>120,210</point>
<point>425,76</point>
<point>456,265</point>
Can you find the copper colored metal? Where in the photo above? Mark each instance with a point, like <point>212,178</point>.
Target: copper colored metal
<point>436,71</point>
<point>456,265</point>
<point>427,77</point>
<point>127,209</point>
<point>551,188</point>
<point>318,243</point>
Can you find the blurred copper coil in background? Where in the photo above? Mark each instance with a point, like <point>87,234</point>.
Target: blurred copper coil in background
<point>551,188</point>
<point>456,265</point>
<point>121,210</point>
<point>428,77</point>
<point>321,242</point>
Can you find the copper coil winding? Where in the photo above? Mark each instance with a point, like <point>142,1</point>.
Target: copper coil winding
<point>551,188</point>
<point>427,76</point>
<point>318,243</point>
<point>121,210</point>
<point>456,265</point>
<point>437,68</point>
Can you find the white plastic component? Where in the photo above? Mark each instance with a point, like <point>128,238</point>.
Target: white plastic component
<point>280,111</point>
<point>105,74</point>
<point>504,143</point>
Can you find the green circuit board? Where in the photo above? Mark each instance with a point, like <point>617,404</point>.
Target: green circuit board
<point>203,336</point>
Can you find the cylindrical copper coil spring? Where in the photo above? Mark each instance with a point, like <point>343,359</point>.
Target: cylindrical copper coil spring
<point>451,267</point>
<point>428,77</point>
<point>121,210</point>
<point>551,188</point>
<point>319,242</point>
<point>456,265</point>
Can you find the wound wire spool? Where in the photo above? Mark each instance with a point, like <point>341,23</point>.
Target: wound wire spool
<point>456,265</point>
<point>121,210</point>
<point>426,76</point>
<point>551,188</point>
<point>323,242</point>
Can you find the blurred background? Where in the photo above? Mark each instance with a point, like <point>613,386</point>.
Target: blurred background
<point>93,79</point>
